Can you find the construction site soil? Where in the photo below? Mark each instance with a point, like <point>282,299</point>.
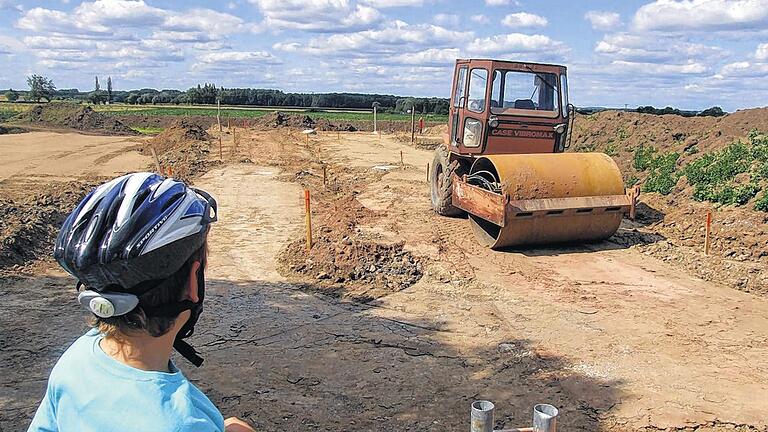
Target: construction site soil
<point>62,115</point>
<point>396,319</point>
<point>275,119</point>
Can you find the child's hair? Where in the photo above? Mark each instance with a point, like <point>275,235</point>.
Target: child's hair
<point>170,290</point>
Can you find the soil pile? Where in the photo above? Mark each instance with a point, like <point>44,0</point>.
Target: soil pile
<point>179,134</point>
<point>29,225</point>
<point>184,148</point>
<point>739,254</point>
<point>73,116</point>
<point>343,262</point>
<point>279,119</point>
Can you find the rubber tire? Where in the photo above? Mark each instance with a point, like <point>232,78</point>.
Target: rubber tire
<point>441,184</point>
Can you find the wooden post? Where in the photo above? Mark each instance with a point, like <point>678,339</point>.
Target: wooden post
<point>707,233</point>
<point>307,208</point>
<point>218,113</point>
<point>427,172</point>
<point>375,128</point>
<point>401,159</point>
<point>157,160</point>
<point>324,176</point>
<point>413,123</point>
<point>221,157</point>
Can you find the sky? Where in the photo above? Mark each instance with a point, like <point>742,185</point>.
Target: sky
<point>690,54</point>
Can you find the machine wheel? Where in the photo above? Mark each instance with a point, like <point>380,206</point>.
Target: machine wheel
<point>440,183</point>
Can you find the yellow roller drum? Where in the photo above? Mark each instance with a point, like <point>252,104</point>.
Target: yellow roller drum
<point>553,198</point>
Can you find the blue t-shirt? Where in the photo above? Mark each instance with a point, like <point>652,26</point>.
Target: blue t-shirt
<point>90,391</point>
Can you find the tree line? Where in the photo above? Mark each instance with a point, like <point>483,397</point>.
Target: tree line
<point>42,88</point>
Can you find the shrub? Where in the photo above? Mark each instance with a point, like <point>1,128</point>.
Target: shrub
<point>643,157</point>
<point>662,176</point>
<point>762,202</point>
<point>713,176</point>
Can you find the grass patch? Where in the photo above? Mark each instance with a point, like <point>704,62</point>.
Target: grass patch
<point>148,130</point>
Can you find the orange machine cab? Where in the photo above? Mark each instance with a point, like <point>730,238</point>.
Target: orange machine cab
<point>502,107</point>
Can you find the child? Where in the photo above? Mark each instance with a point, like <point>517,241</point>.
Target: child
<point>138,245</point>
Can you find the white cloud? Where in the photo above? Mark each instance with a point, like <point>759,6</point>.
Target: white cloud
<point>524,19</point>
<point>603,20</point>
<point>704,15</point>
<point>761,53</point>
<point>517,45</point>
<point>480,19</point>
<point>743,69</point>
<point>655,49</point>
<point>381,4</point>
<point>502,2</point>
<point>641,68</point>
<point>322,16</point>
<point>428,57</point>
<point>446,19</point>
<point>238,57</point>
<point>9,5</point>
<point>394,38</point>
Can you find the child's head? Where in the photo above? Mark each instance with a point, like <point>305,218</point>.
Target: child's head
<point>138,244</point>
<point>171,290</point>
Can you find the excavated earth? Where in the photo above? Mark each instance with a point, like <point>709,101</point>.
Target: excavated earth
<point>71,116</point>
<point>395,319</point>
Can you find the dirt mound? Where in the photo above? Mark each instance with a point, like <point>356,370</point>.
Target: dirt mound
<point>184,148</point>
<point>343,261</point>
<point>28,226</point>
<point>279,119</point>
<point>739,232</point>
<point>180,133</point>
<point>68,115</point>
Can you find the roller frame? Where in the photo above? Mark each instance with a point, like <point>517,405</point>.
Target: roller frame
<point>500,209</point>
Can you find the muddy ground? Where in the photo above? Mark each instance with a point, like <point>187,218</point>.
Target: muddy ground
<point>616,338</point>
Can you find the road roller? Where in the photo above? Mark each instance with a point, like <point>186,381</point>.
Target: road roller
<point>503,160</point>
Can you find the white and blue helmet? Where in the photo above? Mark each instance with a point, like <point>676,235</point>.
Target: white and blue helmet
<point>129,235</point>
<point>132,229</point>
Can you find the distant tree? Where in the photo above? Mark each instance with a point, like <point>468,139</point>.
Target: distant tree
<point>12,95</point>
<point>132,98</point>
<point>96,96</point>
<point>109,89</point>
<point>715,111</point>
<point>40,87</point>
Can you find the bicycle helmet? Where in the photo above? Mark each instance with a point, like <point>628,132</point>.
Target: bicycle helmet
<point>130,234</point>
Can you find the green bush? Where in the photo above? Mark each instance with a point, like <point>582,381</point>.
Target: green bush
<point>662,175</point>
<point>643,157</point>
<point>762,202</point>
<point>713,175</point>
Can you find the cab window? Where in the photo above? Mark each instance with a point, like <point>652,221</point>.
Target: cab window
<point>478,80</point>
<point>525,93</point>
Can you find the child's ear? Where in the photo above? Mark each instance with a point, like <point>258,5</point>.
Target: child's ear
<point>192,287</point>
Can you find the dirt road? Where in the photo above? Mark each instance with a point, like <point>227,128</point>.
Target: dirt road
<point>618,340</point>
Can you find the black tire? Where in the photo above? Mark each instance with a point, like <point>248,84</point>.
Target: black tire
<point>441,184</point>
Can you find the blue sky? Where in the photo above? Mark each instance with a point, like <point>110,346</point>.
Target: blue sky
<point>688,53</point>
